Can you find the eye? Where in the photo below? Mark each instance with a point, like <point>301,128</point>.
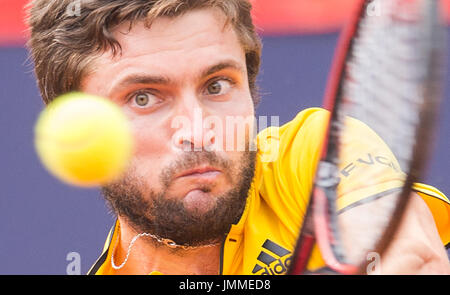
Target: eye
<point>144,100</point>
<point>218,87</point>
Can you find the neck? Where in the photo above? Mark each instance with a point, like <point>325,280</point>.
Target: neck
<point>147,255</point>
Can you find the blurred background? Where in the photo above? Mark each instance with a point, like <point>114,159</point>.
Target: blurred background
<point>43,220</point>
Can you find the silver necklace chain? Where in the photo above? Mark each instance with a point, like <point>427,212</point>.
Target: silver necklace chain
<point>168,242</point>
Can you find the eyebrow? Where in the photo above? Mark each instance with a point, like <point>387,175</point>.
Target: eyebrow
<point>139,78</point>
<point>229,64</point>
<point>134,79</point>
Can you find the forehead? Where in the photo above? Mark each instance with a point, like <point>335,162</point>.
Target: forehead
<point>172,46</point>
<point>200,27</point>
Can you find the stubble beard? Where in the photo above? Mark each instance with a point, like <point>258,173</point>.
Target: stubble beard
<point>167,217</point>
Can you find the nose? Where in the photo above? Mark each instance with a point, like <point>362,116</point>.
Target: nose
<point>191,134</point>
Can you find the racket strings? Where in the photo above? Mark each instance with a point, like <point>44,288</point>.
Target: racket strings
<point>383,86</point>
<point>385,78</point>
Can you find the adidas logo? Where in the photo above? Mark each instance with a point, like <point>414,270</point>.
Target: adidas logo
<point>273,259</point>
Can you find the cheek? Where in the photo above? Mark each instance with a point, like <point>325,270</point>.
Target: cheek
<point>146,143</point>
<point>238,124</point>
<point>151,147</point>
<point>150,135</point>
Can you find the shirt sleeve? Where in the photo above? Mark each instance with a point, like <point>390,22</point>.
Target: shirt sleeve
<point>367,169</point>
<point>439,206</point>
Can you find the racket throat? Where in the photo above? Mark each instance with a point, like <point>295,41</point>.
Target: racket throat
<point>305,246</point>
<point>326,235</point>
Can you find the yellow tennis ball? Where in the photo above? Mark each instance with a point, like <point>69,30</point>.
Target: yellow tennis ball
<point>83,140</point>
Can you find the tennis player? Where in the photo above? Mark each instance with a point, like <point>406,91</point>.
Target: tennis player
<point>192,201</point>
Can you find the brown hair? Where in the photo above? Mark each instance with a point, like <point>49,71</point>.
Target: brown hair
<point>62,45</point>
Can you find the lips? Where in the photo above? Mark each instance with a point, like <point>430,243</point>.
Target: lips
<point>200,172</point>
<point>200,181</point>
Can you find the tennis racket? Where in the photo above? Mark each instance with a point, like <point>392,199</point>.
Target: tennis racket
<point>387,73</point>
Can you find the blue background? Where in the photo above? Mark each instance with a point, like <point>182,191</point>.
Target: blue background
<point>42,220</point>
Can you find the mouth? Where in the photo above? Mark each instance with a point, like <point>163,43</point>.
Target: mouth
<point>203,172</point>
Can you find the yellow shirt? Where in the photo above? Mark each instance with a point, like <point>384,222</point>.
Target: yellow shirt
<point>263,240</point>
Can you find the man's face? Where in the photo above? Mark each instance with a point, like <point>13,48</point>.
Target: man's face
<point>181,82</point>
